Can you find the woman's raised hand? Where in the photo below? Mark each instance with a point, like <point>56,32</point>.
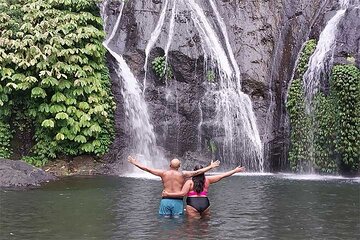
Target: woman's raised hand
<point>240,169</point>
<point>131,160</point>
<point>214,164</point>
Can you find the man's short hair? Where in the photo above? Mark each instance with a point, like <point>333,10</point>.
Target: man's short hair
<point>175,163</point>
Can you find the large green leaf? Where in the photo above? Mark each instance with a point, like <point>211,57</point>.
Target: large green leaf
<point>61,115</point>
<point>80,139</point>
<point>48,123</point>
<point>38,92</point>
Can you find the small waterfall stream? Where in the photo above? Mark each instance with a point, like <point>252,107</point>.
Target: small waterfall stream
<point>143,140</point>
<point>235,119</point>
<point>153,38</point>
<point>321,61</point>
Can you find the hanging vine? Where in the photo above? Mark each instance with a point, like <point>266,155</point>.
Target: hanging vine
<point>324,137</point>
<point>345,84</point>
<point>300,123</point>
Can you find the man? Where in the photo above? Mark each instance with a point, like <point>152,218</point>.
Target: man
<point>173,179</point>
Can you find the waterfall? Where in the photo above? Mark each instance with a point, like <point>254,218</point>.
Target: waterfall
<point>171,29</point>
<point>321,61</point>
<point>228,46</point>
<point>320,64</point>
<point>234,118</point>
<point>137,119</point>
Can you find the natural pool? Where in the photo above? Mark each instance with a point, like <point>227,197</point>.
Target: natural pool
<point>242,207</point>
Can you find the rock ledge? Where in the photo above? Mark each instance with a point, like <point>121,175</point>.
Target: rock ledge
<point>16,173</point>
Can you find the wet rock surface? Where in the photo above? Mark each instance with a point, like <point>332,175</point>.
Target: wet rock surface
<point>266,38</point>
<point>347,49</point>
<point>16,173</point>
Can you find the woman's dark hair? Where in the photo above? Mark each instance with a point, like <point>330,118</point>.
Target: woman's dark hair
<point>199,180</point>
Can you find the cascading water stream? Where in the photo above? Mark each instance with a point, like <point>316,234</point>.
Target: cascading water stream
<point>171,30</point>
<point>321,61</point>
<point>234,113</point>
<point>143,140</point>
<point>103,7</point>
<point>153,38</point>
<point>228,45</point>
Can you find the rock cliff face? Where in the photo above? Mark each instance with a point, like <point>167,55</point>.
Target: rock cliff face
<point>265,36</point>
<point>347,49</point>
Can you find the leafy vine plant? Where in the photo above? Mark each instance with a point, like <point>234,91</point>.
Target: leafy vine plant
<point>51,57</point>
<point>162,69</point>
<point>299,121</point>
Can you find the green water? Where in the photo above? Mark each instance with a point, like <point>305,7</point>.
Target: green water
<point>242,207</point>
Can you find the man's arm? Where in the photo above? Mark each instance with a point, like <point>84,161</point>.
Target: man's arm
<point>203,170</point>
<point>156,172</point>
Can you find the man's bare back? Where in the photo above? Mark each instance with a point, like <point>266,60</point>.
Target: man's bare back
<point>173,180</point>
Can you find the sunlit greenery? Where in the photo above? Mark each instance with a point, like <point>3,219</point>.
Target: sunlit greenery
<point>53,61</point>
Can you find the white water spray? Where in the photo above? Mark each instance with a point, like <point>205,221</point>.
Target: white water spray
<point>234,113</point>
<point>228,45</point>
<point>143,140</point>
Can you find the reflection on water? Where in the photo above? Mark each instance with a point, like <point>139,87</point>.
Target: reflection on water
<point>242,207</point>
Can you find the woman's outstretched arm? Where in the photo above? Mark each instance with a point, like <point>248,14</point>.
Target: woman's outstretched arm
<point>185,189</point>
<point>216,178</point>
<point>202,170</point>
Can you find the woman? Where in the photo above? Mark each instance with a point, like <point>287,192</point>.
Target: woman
<point>196,190</point>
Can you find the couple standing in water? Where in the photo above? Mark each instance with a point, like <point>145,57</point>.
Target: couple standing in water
<point>175,187</point>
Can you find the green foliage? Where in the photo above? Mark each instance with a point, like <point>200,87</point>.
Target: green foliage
<point>5,138</point>
<point>335,124</point>
<point>36,161</point>
<point>338,121</point>
<point>302,65</point>
<point>324,123</point>
<point>210,76</point>
<point>162,69</point>
<point>51,56</point>
<point>211,145</point>
<point>299,154</point>
<point>345,87</point>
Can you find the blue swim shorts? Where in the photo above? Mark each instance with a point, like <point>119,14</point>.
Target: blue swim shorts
<point>171,206</point>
